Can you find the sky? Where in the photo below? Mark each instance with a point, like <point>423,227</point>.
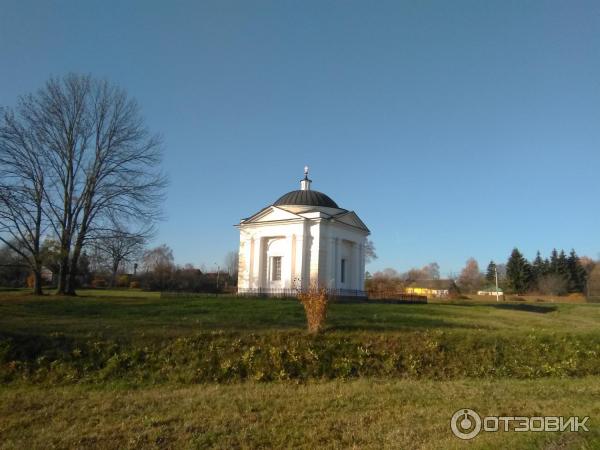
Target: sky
<point>454,129</point>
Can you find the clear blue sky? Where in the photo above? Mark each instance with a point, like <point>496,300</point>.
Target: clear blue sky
<point>454,129</point>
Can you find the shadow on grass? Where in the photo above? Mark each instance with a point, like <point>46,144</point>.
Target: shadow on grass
<point>406,320</point>
<point>526,307</point>
<point>402,326</point>
<point>28,346</point>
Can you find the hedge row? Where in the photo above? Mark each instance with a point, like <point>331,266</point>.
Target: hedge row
<point>230,357</point>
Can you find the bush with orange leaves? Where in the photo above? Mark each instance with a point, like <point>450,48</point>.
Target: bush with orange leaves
<point>30,280</point>
<point>315,301</point>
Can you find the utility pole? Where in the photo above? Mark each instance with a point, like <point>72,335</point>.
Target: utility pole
<point>496,273</point>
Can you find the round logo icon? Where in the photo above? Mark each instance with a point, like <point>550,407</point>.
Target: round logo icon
<point>465,424</point>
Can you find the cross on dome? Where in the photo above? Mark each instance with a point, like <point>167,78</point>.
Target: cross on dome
<point>305,182</point>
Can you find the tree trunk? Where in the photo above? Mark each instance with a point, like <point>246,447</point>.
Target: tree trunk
<point>72,279</point>
<point>113,278</point>
<point>63,273</point>
<point>61,288</point>
<point>79,241</point>
<point>37,282</point>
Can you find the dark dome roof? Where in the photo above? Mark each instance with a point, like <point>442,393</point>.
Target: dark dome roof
<point>308,197</point>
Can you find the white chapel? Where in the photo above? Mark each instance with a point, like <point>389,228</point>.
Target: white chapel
<point>303,239</point>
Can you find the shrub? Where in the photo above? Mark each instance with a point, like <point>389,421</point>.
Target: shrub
<point>553,284</point>
<point>315,301</point>
<point>30,280</point>
<point>593,285</point>
<point>134,285</point>
<point>98,282</point>
<point>123,281</point>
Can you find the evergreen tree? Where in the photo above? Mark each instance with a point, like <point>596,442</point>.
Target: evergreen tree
<point>538,268</point>
<point>553,266</point>
<point>562,267</point>
<point>518,272</point>
<point>577,274</point>
<point>490,275</point>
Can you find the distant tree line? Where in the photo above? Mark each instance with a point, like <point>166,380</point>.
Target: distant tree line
<point>160,273</point>
<point>116,264</point>
<point>389,281</point>
<point>558,274</point>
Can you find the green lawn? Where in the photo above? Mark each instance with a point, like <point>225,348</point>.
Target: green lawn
<point>133,313</point>
<point>119,369</point>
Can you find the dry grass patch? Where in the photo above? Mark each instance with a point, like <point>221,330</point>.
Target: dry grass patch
<point>366,414</point>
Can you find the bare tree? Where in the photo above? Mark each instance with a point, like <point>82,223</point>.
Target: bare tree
<point>593,283</point>
<point>100,159</point>
<point>370,254</point>
<point>22,184</point>
<point>413,274</point>
<point>385,284</point>
<point>470,278</point>
<point>231,262</point>
<point>158,258</point>
<point>587,263</point>
<point>429,272</point>
<point>432,271</point>
<point>158,264</point>
<point>119,247</point>
<point>552,284</point>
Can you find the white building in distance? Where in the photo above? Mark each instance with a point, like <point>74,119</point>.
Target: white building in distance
<point>303,239</point>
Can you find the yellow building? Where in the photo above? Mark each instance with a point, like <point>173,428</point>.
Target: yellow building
<point>433,288</point>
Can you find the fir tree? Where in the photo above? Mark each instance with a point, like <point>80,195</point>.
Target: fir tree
<point>538,268</point>
<point>490,275</point>
<point>518,272</point>
<point>553,266</point>
<point>562,265</point>
<point>577,274</point>
<point>546,266</point>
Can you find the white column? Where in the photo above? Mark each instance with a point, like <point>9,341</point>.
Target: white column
<point>299,260</point>
<point>336,263</point>
<point>303,260</point>
<point>355,265</point>
<point>257,269</point>
<point>332,263</point>
<point>244,275</point>
<point>250,263</point>
<point>292,260</point>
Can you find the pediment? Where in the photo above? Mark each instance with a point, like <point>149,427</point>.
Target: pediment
<point>352,219</point>
<point>271,214</point>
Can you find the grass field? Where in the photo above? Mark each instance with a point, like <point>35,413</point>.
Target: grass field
<point>126,369</point>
